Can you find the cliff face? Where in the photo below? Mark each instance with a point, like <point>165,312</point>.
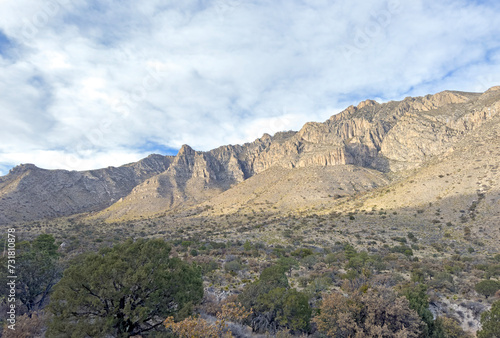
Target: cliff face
<point>30,193</point>
<point>382,137</point>
<point>379,136</point>
<point>432,130</point>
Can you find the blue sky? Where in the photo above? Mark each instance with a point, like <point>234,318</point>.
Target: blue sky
<point>88,84</point>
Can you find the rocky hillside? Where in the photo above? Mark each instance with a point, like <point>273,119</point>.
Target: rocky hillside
<point>360,149</point>
<point>457,192</point>
<point>30,193</point>
<point>385,138</point>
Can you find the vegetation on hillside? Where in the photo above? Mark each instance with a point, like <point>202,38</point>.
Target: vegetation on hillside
<point>222,285</point>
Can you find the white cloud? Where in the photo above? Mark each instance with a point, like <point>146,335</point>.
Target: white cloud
<point>88,78</point>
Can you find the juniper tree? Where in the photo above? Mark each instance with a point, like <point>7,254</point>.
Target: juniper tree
<point>123,291</point>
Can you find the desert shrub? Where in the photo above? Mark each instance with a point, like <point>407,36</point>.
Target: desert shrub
<point>217,245</point>
<point>492,270</point>
<point>275,305</point>
<point>309,261</point>
<point>247,246</point>
<point>487,287</point>
<point>302,252</point>
<point>208,266</point>
<point>375,313</point>
<point>196,327</point>
<point>27,326</point>
<point>451,328</point>
<point>443,280</point>
<point>412,237</point>
<point>403,249</point>
<point>417,275</point>
<point>233,266</point>
<point>288,264</point>
<point>186,244</point>
<point>318,285</point>
<point>192,328</point>
<point>400,239</point>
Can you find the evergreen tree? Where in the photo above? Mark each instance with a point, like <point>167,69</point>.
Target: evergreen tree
<point>490,322</point>
<point>419,301</point>
<point>37,270</point>
<point>123,291</point>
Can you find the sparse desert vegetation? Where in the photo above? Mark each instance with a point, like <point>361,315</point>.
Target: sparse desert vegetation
<point>343,229</point>
<point>285,272</point>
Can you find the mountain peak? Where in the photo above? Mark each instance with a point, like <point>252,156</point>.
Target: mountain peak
<point>186,150</point>
<point>493,89</point>
<point>266,137</point>
<point>367,103</point>
<point>21,168</point>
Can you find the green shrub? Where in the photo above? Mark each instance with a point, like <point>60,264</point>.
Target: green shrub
<point>405,250</point>
<point>487,287</point>
<point>490,322</point>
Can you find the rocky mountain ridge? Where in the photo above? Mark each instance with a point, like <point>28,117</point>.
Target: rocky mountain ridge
<point>384,138</point>
<point>30,193</point>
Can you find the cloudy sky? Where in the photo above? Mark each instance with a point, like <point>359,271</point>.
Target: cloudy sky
<point>87,84</point>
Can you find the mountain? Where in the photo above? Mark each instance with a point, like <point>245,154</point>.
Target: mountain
<point>362,149</point>
<point>29,193</point>
<point>374,140</point>
<point>459,188</point>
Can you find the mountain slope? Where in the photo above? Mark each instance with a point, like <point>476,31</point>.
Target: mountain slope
<point>30,193</point>
<point>386,137</point>
<point>358,150</point>
<point>295,189</point>
<point>459,189</point>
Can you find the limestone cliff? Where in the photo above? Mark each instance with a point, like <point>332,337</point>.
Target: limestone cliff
<point>386,137</point>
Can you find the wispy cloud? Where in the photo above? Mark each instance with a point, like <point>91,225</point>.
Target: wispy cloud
<point>89,84</point>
